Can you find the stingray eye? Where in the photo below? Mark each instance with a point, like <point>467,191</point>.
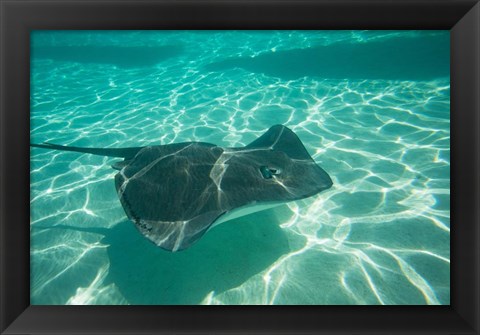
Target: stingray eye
<point>266,173</point>
<point>275,171</point>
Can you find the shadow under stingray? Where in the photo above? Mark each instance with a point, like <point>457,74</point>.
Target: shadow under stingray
<point>401,58</point>
<point>222,259</point>
<point>120,56</point>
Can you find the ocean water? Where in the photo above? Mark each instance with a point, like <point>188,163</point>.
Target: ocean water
<point>371,107</point>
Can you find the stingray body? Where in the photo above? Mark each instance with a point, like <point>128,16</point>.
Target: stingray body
<point>174,193</point>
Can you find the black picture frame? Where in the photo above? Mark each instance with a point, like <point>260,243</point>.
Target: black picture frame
<point>19,17</point>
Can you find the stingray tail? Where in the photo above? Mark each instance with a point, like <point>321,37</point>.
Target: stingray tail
<point>126,153</point>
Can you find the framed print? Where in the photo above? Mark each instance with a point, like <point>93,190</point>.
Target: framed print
<point>293,164</point>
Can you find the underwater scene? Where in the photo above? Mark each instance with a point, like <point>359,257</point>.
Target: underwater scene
<point>240,168</point>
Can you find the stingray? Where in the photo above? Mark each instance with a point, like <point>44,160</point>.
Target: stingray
<point>174,193</point>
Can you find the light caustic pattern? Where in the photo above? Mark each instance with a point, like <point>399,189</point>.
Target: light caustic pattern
<point>380,235</point>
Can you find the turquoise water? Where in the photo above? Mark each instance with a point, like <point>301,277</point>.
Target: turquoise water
<point>371,107</point>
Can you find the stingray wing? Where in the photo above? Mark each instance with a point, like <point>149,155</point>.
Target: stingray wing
<point>167,192</point>
<point>176,235</point>
<point>279,137</point>
<point>305,177</point>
